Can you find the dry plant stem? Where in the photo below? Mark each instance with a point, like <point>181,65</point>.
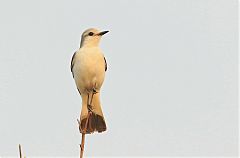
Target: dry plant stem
<point>20,150</point>
<point>82,145</point>
<point>85,129</point>
<point>83,136</point>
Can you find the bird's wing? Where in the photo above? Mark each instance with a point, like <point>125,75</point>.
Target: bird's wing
<point>105,64</point>
<point>72,63</point>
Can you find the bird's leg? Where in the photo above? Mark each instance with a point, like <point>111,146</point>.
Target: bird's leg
<point>89,107</point>
<point>94,91</point>
<point>89,103</point>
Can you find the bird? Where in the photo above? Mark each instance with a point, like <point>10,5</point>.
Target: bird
<point>88,67</point>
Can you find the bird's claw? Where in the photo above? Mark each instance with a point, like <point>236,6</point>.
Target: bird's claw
<point>90,108</point>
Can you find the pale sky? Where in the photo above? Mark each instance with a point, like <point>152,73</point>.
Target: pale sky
<point>170,88</point>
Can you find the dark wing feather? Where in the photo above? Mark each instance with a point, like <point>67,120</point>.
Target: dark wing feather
<point>105,64</point>
<point>72,63</point>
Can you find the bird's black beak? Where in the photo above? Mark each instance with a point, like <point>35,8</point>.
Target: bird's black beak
<point>102,33</point>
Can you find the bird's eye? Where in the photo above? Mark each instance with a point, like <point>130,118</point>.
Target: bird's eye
<point>90,33</point>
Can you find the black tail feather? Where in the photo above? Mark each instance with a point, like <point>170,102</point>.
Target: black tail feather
<point>95,123</point>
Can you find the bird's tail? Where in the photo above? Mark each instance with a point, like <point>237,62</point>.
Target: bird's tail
<point>95,120</point>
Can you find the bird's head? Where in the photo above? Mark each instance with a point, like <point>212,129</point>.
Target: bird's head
<point>91,37</point>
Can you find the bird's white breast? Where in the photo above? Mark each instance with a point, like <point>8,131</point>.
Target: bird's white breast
<point>89,68</point>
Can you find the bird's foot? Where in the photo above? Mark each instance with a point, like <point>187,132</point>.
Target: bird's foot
<point>90,109</point>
